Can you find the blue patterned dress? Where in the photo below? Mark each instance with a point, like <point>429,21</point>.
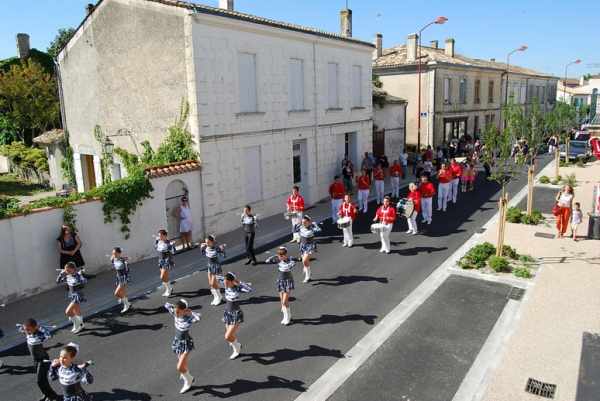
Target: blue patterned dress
<point>182,342</point>
<point>285,279</point>
<point>165,250</point>
<point>214,254</point>
<point>71,378</point>
<point>122,270</point>
<point>75,284</point>
<point>307,237</point>
<point>233,313</point>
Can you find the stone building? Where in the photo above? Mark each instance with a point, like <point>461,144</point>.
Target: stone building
<point>271,103</point>
<point>459,95</point>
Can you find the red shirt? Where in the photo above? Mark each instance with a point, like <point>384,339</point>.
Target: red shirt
<point>426,189</point>
<point>378,174</point>
<point>295,203</point>
<point>445,176</point>
<point>396,170</point>
<point>415,196</point>
<point>347,210</point>
<point>456,170</point>
<point>364,182</point>
<point>386,215</point>
<point>337,190</point>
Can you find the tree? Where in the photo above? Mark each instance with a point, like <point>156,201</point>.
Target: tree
<point>61,39</point>
<point>28,99</point>
<point>8,131</point>
<point>534,133</point>
<point>560,121</point>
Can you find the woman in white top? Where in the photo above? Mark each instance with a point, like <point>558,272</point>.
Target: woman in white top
<point>564,200</point>
<point>185,223</point>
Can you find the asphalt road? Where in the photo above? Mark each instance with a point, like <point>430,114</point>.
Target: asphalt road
<point>352,289</point>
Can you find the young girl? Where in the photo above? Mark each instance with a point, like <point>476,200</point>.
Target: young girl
<point>285,281</point>
<point>119,263</point>
<point>233,315</point>
<point>472,176</point>
<point>465,178</point>
<point>75,282</point>
<point>306,230</point>
<point>183,343</point>
<point>166,250</point>
<point>576,218</point>
<point>213,253</point>
<point>71,375</point>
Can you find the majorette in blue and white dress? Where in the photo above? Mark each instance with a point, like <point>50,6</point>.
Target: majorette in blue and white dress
<point>71,378</point>
<point>122,270</point>
<point>75,284</point>
<point>165,250</point>
<point>233,313</point>
<point>35,341</point>
<point>182,342</point>
<point>307,237</point>
<point>285,279</point>
<point>214,254</point>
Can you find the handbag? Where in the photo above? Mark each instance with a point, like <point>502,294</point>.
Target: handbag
<point>556,209</point>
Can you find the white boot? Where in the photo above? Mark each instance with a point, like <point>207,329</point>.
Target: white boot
<point>187,382</point>
<point>306,274</point>
<point>167,292</point>
<point>217,297</point>
<point>72,321</point>
<point>126,305</point>
<point>285,315</point>
<point>237,347</point>
<point>77,324</point>
<point>288,316</point>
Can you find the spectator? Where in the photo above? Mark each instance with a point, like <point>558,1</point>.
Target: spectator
<point>404,163</point>
<point>564,201</point>
<point>184,213</point>
<point>576,220</point>
<point>348,175</point>
<point>69,247</point>
<point>367,165</point>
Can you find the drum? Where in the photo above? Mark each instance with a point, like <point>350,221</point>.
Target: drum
<point>344,222</point>
<point>290,215</point>
<point>377,228</point>
<point>405,207</point>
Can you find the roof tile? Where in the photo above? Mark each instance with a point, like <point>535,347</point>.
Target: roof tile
<point>173,168</point>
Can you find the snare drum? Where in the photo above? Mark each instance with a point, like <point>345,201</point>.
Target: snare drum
<point>344,222</point>
<point>290,215</point>
<point>377,228</point>
<point>405,207</point>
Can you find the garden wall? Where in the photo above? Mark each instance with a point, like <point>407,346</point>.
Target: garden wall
<point>29,253</point>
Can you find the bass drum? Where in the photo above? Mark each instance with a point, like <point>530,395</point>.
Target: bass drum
<point>405,207</point>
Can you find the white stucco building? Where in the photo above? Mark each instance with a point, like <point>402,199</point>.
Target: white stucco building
<point>271,103</point>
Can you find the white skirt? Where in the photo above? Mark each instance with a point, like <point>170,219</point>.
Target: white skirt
<point>185,226</point>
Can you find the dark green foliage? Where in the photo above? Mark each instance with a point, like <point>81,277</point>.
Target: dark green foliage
<point>544,179</point>
<point>59,41</point>
<point>510,252</point>
<point>533,220</point>
<point>8,206</point>
<point>522,272</point>
<point>499,264</point>
<point>27,162</point>
<point>513,215</point>
<point>477,256</point>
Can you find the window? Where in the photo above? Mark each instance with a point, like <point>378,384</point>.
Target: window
<point>447,90</point>
<point>542,94</point>
<point>491,92</point>
<point>297,162</point>
<point>296,84</point>
<point>523,94</point>
<point>476,126</point>
<point>252,172</point>
<point>332,77</point>
<point>247,75</point>
<point>476,96</point>
<point>462,91</point>
<point>356,86</point>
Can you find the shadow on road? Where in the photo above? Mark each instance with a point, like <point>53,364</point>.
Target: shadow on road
<point>418,249</point>
<point>335,319</point>
<point>288,354</point>
<point>16,370</point>
<point>242,386</point>
<point>262,299</point>
<point>118,394</point>
<point>345,280</point>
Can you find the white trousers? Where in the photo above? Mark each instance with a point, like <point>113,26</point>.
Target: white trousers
<point>426,209</point>
<point>296,220</point>
<point>363,199</point>
<point>395,187</point>
<point>348,235</point>
<point>443,193</point>
<point>454,184</point>
<point>412,222</point>
<point>379,190</point>
<point>385,237</point>
<point>335,208</point>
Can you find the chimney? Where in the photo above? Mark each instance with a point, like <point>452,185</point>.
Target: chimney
<point>493,60</point>
<point>434,44</point>
<point>449,49</point>
<point>23,48</point>
<point>226,5</point>
<point>89,9</point>
<point>411,47</point>
<point>379,45</point>
<point>346,23</point>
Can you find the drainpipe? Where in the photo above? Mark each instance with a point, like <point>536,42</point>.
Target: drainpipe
<point>61,100</point>
<point>315,98</point>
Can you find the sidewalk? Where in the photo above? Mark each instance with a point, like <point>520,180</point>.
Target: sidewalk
<point>48,307</point>
<point>559,308</point>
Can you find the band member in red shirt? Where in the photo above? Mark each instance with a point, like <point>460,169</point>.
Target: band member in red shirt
<point>386,214</point>
<point>415,196</point>
<point>364,185</point>
<point>347,209</point>
<point>396,173</point>
<point>427,191</point>
<point>444,178</point>
<point>379,176</point>
<point>336,193</point>
<point>456,170</point>
<point>295,203</point>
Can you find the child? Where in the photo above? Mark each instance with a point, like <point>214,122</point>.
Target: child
<point>166,250</point>
<point>307,230</point>
<point>70,375</point>
<point>576,218</point>
<point>285,281</point>
<point>213,253</point>
<point>36,335</point>
<point>466,176</point>
<point>75,282</point>
<point>119,263</point>
<point>233,315</point>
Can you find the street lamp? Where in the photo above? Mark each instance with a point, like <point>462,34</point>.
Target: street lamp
<point>520,49</point>
<point>438,21</point>
<point>108,147</point>
<point>565,81</point>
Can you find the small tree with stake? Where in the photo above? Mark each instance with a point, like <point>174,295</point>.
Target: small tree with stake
<point>561,120</point>
<point>534,133</point>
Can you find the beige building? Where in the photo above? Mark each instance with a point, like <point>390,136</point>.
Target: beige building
<point>459,95</point>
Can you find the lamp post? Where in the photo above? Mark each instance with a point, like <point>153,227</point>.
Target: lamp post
<point>565,81</point>
<point>438,21</point>
<point>520,49</point>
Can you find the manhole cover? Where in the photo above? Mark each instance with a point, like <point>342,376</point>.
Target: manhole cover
<point>516,293</point>
<point>544,235</point>
<point>542,389</point>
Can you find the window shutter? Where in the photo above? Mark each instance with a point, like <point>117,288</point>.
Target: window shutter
<point>332,85</point>
<point>356,86</point>
<point>247,75</point>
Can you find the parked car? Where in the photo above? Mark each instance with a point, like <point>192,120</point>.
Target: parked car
<point>577,149</point>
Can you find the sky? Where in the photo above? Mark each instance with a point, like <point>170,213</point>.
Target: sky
<point>557,32</point>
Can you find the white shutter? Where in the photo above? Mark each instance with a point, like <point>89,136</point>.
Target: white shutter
<point>252,172</point>
<point>97,170</point>
<point>356,86</point>
<point>332,76</point>
<point>78,172</point>
<point>247,75</point>
<point>296,84</point>
<point>446,90</point>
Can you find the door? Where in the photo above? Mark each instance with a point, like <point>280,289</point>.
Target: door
<point>88,172</point>
<point>300,166</point>
<point>351,150</point>
<point>252,174</point>
<point>379,143</point>
<point>173,194</point>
